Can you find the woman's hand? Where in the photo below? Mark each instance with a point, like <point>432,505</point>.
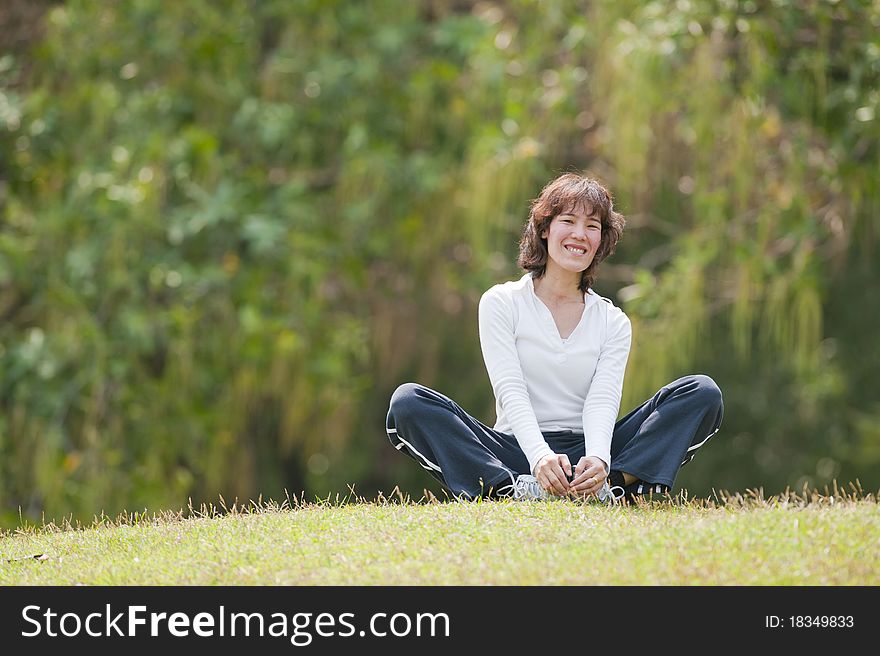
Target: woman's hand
<point>589,475</point>
<point>553,473</point>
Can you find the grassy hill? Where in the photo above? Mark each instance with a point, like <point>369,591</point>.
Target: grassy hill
<point>789,539</point>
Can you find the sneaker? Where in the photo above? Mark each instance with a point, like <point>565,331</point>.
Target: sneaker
<point>640,491</point>
<point>527,488</point>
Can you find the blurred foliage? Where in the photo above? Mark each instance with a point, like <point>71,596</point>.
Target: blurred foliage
<point>228,230</point>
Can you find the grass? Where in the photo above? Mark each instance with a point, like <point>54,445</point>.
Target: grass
<point>788,539</point>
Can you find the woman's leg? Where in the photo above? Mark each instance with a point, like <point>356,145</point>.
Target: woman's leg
<point>465,455</point>
<point>656,439</point>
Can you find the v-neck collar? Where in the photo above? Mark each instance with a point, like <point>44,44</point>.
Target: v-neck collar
<point>590,297</point>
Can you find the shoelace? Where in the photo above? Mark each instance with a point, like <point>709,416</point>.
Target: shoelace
<point>609,491</point>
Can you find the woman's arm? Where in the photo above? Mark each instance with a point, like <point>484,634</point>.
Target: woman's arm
<point>505,373</point>
<point>603,400</point>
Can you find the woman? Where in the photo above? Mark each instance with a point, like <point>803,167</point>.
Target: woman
<point>556,353</point>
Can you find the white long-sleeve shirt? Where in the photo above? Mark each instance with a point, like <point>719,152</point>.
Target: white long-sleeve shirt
<point>543,382</point>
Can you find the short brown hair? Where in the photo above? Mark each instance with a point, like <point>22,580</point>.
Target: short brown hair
<point>567,191</point>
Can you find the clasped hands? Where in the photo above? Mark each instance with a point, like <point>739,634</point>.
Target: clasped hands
<point>554,471</point>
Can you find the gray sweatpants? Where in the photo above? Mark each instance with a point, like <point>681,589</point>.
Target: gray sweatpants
<point>471,459</point>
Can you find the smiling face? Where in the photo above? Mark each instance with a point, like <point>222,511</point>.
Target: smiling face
<point>572,211</point>
<point>573,237</point>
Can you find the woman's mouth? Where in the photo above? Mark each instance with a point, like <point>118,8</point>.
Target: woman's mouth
<point>575,250</point>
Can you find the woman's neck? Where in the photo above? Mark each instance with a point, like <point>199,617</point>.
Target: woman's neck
<point>559,286</point>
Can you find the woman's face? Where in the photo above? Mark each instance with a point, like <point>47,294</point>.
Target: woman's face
<point>573,238</point>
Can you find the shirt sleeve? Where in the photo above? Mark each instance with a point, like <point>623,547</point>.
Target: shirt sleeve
<point>498,344</point>
<point>603,399</point>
